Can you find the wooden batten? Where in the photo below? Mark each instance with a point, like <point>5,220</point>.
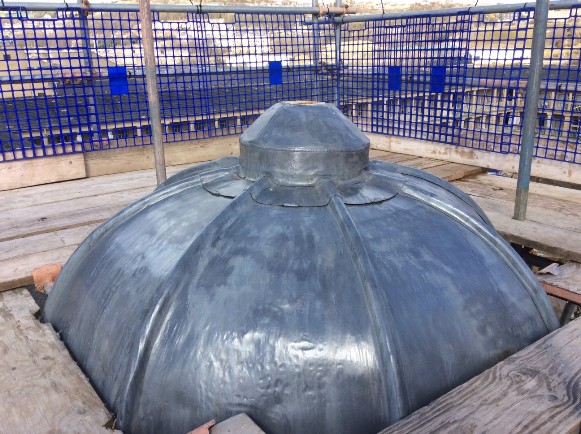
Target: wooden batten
<point>44,224</point>
<point>141,157</point>
<point>534,391</point>
<point>118,160</point>
<point>37,171</point>
<point>542,168</point>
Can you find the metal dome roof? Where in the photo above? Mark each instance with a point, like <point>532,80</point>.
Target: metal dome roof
<point>311,288</point>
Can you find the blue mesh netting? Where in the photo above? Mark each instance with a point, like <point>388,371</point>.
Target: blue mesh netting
<point>75,83</point>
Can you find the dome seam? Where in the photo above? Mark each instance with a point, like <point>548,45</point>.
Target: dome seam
<point>169,295</point>
<point>393,390</point>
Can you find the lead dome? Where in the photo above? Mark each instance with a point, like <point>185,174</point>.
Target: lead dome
<point>303,284</point>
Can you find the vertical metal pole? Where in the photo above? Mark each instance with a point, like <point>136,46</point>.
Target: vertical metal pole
<point>338,3</point>
<point>90,91</point>
<point>152,91</point>
<point>317,66</point>
<point>531,108</point>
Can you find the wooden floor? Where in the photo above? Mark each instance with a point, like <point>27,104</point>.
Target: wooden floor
<point>553,224</point>
<point>45,224</point>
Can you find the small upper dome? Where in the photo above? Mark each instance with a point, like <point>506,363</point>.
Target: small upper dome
<point>296,144</point>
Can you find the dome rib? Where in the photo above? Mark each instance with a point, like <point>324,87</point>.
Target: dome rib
<point>393,384</point>
<point>117,219</point>
<point>486,233</point>
<point>133,392</point>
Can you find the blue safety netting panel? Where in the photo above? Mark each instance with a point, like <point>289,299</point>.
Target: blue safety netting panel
<point>75,82</point>
<point>118,85</point>
<point>559,113</point>
<point>429,80</point>
<point>46,100</point>
<point>220,75</point>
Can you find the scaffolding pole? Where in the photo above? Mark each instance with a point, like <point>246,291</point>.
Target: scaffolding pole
<point>531,108</point>
<point>190,8</point>
<point>152,91</point>
<point>338,4</point>
<point>316,60</point>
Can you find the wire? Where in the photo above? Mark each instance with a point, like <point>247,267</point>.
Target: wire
<point>475,4</point>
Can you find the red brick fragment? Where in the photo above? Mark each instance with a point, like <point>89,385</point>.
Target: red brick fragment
<point>45,274</point>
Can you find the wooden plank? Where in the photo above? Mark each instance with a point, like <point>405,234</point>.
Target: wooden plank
<point>24,173</point>
<point>106,162</point>
<point>34,226</point>
<point>87,187</point>
<point>543,168</point>
<point>26,246</point>
<point>392,157</point>
<point>16,272</point>
<point>542,209</point>
<point>554,241</point>
<point>377,154</point>
<point>141,157</point>
<point>67,205</point>
<point>197,151</point>
<point>553,224</point>
<point>42,389</point>
<point>55,169</point>
<point>239,424</point>
<point>536,390</point>
<point>453,171</point>
<point>423,163</point>
<point>55,216</point>
<point>550,218</point>
<point>566,284</point>
<point>545,190</point>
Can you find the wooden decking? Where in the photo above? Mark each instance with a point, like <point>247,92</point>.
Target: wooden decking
<point>45,224</point>
<point>553,224</point>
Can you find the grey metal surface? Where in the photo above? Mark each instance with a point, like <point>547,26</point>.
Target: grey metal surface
<point>530,120</point>
<point>335,306</point>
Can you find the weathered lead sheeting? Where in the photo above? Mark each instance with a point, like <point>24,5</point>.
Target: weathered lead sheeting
<point>302,285</point>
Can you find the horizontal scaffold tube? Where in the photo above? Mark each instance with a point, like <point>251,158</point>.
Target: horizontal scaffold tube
<point>203,9</point>
<point>492,9</point>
